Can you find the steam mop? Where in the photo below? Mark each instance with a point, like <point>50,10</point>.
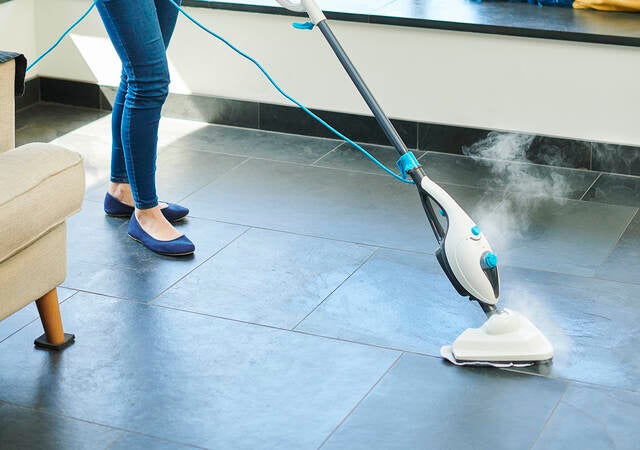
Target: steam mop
<point>507,338</point>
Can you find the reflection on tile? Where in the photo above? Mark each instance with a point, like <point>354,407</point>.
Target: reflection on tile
<point>267,278</point>
<point>255,143</point>
<point>508,175</point>
<point>594,325</point>
<point>556,235</point>
<point>181,172</point>
<point>95,151</point>
<point>348,158</point>
<point>589,417</point>
<point>102,258</point>
<point>615,189</point>
<point>26,429</point>
<point>624,262</point>
<point>350,206</point>
<point>28,314</point>
<point>191,378</point>
<point>426,403</point>
<point>421,316</point>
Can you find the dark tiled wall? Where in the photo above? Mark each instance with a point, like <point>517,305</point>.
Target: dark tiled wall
<point>289,119</point>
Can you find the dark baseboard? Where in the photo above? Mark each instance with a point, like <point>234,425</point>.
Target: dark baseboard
<point>290,119</point>
<point>31,94</point>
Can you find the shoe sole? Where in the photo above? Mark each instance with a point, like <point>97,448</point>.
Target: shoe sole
<point>127,216</point>
<point>161,253</point>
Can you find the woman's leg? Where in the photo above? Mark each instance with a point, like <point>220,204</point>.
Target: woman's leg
<point>134,29</point>
<point>119,186</point>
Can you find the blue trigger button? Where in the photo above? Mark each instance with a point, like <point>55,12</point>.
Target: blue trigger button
<point>476,230</point>
<point>491,260</point>
<point>303,25</point>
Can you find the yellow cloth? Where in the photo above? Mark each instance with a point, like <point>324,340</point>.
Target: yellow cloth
<point>608,5</point>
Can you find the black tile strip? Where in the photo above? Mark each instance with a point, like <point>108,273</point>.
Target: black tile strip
<point>31,94</point>
<point>289,119</point>
<point>69,92</point>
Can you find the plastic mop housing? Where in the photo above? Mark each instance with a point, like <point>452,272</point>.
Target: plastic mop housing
<point>463,252</point>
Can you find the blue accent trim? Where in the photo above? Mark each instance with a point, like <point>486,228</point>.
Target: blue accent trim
<point>476,230</point>
<point>442,213</point>
<point>303,25</point>
<point>491,260</point>
<point>407,162</point>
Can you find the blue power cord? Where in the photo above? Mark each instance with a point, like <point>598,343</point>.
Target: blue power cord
<point>39,58</point>
<point>260,67</point>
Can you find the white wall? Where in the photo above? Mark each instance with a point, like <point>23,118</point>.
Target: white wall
<point>578,90</point>
<point>17,29</point>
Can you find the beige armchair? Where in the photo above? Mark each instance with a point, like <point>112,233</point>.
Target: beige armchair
<point>41,185</point>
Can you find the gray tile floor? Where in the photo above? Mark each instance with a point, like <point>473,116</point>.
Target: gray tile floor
<point>296,323</point>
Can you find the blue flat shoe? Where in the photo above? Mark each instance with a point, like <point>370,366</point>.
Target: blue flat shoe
<point>181,246</point>
<point>115,208</point>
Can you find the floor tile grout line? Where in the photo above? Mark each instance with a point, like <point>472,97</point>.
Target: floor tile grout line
<point>589,188</point>
<point>553,411</point>
<point>615,245</point>
<point>199,265</point>
<point>357,405</point>
<point>216,178</point>
<point>243,162</point>
<point>327,154</point>
<point>360,266</point>
<point>37,318</point>
<point>338,339</point>
<point>93,422</point>
<point>275,230</point>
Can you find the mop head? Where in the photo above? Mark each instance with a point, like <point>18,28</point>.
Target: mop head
<point>506,339</point>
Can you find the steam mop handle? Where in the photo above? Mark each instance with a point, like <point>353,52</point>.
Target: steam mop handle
<point>309,6</point>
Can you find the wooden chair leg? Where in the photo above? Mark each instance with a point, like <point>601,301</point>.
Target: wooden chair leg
<point>54,338</point>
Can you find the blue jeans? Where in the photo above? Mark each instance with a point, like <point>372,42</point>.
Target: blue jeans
<point>140,31</point>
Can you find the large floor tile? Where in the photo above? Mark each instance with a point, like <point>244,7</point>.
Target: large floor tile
<point>103,259</point>
<point>594,418</point>
<point>351,206</point>
<point>54,120</point>
<point>565,236</point>
<point>192,378</point>
<point>256,143</point>
<point>399,300</point>
<point>508,175</point>
<point>624,262</point>
<point>267,277</point>
<point>28,429</point>
<point>181,172</point>
<point>27,315</point>
<point>594,325</point>
<point>348,158</point>
<point>616,189</point>
<point>426,403</point>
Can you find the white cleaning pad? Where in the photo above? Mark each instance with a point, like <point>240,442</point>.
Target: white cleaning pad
<point>446,352</point>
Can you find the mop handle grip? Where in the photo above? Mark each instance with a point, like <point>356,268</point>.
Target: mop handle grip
<point>309,6</point>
